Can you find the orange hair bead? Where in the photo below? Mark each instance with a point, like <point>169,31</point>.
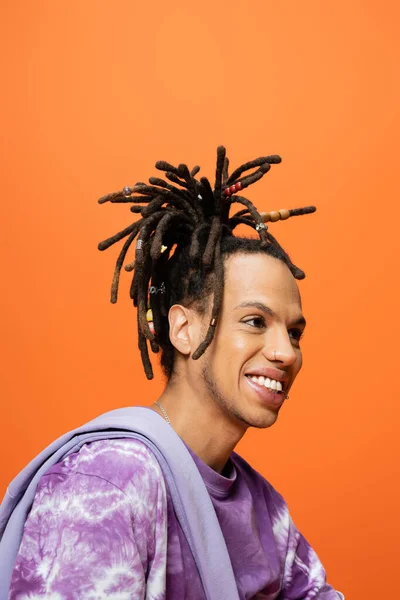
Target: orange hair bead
<point>285,214</point>
<point>274,215</point>
<point>265,217</point>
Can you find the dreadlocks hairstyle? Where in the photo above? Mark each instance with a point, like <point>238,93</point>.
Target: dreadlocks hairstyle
<point>184,231</point>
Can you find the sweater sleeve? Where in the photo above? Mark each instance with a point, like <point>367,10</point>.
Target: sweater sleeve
<point>304,576</point>
<point>97,528</point>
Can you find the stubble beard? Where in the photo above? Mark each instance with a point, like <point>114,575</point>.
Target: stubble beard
<point>226,406</point>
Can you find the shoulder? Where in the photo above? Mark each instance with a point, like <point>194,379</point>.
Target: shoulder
<point>100,515</point>
<point>125,464</point>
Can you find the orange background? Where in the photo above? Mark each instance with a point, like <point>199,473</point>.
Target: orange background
<point>94,93</point>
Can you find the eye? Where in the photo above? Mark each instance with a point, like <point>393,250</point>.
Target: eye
<point>296,334</point>
<point>256,322</point>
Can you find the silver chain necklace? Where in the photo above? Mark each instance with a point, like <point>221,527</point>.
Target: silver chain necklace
<point>164,412</point>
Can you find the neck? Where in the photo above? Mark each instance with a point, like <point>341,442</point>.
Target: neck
<point>206,427</point>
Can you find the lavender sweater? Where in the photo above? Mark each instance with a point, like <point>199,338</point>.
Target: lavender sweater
<point>103,526</point>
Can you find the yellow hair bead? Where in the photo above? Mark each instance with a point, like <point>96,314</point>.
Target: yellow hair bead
<point>149,317</point>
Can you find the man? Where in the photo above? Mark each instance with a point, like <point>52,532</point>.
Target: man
<point>226,314</point>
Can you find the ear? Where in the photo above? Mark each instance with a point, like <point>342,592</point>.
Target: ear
<point>181,328</point>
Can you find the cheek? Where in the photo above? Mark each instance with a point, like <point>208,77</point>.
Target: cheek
<point>299,362</point>
<point>228,355</point>
<point>237,348</point>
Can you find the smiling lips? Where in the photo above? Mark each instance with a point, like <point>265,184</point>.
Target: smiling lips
<point>273,379</point>
<point>271,384</point>
<point>272,398</point>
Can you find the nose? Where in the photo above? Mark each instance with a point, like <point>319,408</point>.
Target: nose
<point>278,347</point>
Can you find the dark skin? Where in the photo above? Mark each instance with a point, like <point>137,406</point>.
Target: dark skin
<point>212,401</point>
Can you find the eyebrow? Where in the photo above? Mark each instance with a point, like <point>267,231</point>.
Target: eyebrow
<point>267,310</point>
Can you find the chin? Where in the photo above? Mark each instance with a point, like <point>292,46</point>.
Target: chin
<point>260,419</point>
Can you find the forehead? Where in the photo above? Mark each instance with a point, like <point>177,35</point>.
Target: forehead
<point>260,277</point>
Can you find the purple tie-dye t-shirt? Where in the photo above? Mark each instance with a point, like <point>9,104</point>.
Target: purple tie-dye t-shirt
<point>103,526</point>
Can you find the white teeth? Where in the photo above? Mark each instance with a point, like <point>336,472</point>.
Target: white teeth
<point>267,382</point>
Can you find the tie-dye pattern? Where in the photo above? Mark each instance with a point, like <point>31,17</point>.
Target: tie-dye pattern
<point>103,526</point>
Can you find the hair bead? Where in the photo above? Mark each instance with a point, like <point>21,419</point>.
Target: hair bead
<point>149,319</point>
<point>265,217</point>
<point>236,187</point>
<point>285,214</point>
<point>274,216</point>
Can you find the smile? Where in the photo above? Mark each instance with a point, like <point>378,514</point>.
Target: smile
<point>271,384</point>
<point>270,397</point>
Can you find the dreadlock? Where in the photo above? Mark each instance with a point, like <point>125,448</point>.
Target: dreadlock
<point>183,234</point>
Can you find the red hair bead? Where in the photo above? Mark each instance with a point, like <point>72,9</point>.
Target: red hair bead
<point>236,187</point>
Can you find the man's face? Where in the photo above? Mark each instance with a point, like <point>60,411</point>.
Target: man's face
<point>256,343</point>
